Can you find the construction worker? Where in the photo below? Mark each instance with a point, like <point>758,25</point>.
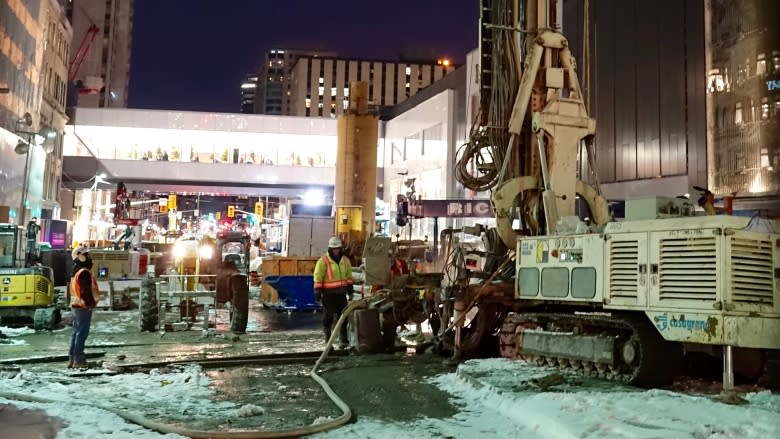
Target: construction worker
<point>332,287</point>
<point>84,297</point>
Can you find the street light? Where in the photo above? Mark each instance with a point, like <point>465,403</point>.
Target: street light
<point>44,138</point>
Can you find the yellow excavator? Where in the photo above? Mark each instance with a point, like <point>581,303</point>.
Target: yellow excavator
<point>27,294</point>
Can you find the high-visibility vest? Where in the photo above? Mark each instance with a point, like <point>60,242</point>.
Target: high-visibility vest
<point>329,275</point>
<point>74,289</point>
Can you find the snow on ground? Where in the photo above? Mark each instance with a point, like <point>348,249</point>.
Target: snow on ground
<point>16,332</point>
<point>498,398</point>
<point>495,398</point>
<point>11,342</point>
<point>186,390</point>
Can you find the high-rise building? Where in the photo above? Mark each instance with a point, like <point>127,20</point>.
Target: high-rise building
<point>274,87</point>
<point>104,30</point>
<point>33,84</point>
<point>320,85</point>
<point>248,94</point>
<point>743,90</point>
<point>57,33</point>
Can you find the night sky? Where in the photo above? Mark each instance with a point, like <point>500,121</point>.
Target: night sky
<point>193,54</point>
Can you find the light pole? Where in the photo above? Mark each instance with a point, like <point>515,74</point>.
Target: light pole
<point>43,138</point>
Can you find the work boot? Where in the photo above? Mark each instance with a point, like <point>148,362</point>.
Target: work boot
<point>81,365</point>
<point>70,364</point>
<point>343,345</point>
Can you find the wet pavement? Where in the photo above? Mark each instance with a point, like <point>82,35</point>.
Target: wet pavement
<point>387,387</point>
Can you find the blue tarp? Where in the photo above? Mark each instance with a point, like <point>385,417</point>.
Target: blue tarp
<point>295,292</point>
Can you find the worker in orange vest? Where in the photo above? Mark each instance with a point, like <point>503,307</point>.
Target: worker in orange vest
<point>84,297</point>
<point>332,287</point>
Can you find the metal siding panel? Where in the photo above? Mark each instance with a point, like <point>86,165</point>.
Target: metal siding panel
<point>672,98</point>
<point>648,164</point>
<point>604,87</point>
<point>697,123</point>
<point>390,84</point>
<point>625,83</point>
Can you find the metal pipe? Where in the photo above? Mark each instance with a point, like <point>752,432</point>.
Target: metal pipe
<point>22,207</point>
<point>728,369</point>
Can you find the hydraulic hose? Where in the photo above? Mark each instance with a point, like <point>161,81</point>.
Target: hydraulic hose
<point>477,296</point>
<point>164,428</point>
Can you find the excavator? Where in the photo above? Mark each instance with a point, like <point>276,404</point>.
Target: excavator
<point>27,292</point>
<point>566,285</point>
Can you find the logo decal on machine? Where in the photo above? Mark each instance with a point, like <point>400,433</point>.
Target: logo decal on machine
<point>662,322</point>
<point>6,281</point>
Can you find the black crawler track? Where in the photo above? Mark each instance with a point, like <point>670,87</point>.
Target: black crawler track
<point>656,362</point>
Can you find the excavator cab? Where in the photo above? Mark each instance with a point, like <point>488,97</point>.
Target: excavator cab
<point>27,294</point>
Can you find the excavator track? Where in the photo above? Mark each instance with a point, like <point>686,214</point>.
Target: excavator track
<point>619,347</point>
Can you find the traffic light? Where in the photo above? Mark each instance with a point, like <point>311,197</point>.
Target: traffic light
<point>231,211</point>
<point>172,202</point>
<point>219,215</point>
<point>259,210</point>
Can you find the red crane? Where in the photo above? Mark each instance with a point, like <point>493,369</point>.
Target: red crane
<point>86,42</point>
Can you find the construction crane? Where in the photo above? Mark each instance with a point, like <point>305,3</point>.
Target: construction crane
<point>81,53</point>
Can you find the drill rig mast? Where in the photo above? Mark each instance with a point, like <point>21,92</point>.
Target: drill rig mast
<point>534,148</point>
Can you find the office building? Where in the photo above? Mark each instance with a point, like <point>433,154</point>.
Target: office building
<point>248,94</point>
<point>104,30</point>
<point>320,85</point>
<point>33,72</point>
<point>274,89</point>
<point>743,91</point>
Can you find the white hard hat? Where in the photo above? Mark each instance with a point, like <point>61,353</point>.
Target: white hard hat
<point>334,243</point>
<point>80,250</point>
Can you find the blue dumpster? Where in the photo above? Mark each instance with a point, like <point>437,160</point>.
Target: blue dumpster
<point>295,292</point>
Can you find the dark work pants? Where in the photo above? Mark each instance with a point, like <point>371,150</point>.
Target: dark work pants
<point>81,320</point>
<point>333,305</point>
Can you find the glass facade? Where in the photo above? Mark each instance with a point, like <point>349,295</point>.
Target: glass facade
<point>743,86</point>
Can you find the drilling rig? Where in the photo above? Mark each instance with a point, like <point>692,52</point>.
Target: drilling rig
<point>566,285</point>
<point>621,300</point>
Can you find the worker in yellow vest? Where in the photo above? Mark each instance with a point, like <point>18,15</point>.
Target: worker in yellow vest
<point>332,287</point>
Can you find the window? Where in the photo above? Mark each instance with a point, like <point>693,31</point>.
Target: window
<point>413,146</point>
<point>528,281</point>
<point>715,81</point>
<point>555,282</point>
<point>775,62</point>
<point>738,114</point>
<point>761,65</point>
<point>765,109</point>
<point>308,103</point>
<point>764,157</point>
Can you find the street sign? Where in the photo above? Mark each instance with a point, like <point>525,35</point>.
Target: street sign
<point>451,209</point>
